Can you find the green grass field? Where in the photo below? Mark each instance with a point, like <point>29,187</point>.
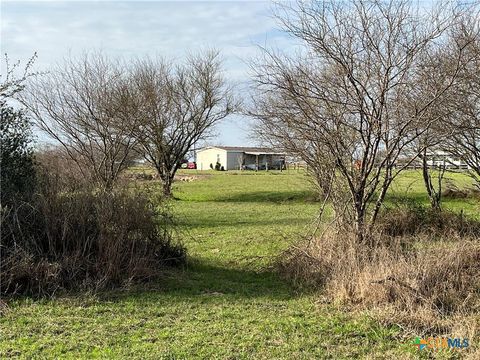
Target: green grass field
<point>227,303</point>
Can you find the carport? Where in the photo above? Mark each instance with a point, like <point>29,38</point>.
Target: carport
<point>262,159</point>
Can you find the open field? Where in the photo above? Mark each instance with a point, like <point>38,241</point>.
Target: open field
<point>228,302</point>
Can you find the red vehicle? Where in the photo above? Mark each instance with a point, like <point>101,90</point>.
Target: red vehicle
<point>188,165</point>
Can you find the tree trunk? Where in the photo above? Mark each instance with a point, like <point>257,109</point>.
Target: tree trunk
<point>167,185</point>
<point>433,195</point>
<point>381,197</point>
<point>359,223</point>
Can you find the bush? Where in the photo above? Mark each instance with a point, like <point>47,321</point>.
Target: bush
<point>423,271</point>
<point>455,193</point>
<point>71,236</point>
<point>218,166</point>
<point>414,219</point>
<point>16,159</point>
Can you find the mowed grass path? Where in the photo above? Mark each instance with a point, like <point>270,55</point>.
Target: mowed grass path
<point>227,303</point>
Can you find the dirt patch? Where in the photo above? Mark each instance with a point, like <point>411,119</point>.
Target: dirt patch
<point>186,178</point>
<point>189,178</point>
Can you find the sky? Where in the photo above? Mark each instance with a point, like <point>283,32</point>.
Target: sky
<point>57,29</point>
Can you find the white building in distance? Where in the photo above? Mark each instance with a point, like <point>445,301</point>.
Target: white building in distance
<point>239,158</point>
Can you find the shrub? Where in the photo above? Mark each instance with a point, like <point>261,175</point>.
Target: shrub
<point>455,193</point>
<point>71,236</point>
<point>414,219</point>
<point>16,159</point>
<point>218,166</point>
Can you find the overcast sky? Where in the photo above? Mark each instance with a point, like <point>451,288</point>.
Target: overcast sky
<point>54,29</point>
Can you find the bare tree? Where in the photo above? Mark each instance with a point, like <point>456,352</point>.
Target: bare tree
<point>433,134</point>
<point>433,188</point>
<point>447,136</point>
<point>462,38</point>
<point>179,105</point>
<point>350,102</point>
<point>464,106</point>
<point>86,105</point>
<point>12,82</point>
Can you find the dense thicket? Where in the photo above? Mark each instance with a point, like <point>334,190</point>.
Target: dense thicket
<point>61,230</point>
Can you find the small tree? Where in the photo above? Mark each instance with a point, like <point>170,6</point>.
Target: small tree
<point>17,159</point>
<point>431,135</point>
<point>434,189</point>
<point>448,136</point>
<point>463,39</point>
<point>87,107</point>
<point>179,105</point>
<point>464,107</point>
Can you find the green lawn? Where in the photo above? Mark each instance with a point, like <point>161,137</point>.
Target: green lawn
<point>227,302</point>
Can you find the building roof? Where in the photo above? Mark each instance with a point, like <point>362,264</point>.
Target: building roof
<point>245,149</point>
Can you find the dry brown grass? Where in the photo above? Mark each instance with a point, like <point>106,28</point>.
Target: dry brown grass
<point>455,193</point>
<point>72,235</point>
<point>423,273</point>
